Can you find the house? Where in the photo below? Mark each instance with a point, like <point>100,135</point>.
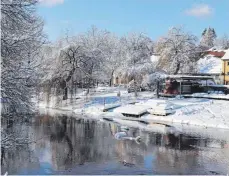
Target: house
<point>225,67</point>
<point>211,64</point>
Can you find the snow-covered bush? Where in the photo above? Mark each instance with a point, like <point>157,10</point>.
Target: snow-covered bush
<point>151,80</point>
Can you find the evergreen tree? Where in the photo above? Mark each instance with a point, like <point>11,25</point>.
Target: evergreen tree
<point>214,33</point>
<point>208,38</point>
<point>204,32</point>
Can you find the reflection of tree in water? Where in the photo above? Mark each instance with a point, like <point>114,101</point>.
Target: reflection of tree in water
<point>77,141</point>
<point>18,154</point>
<point>59,136</point>
<point>19,158</point>
<point>91,141</point>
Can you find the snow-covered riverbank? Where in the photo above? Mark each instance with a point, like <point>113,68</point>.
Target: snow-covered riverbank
<point>206,113</point>
<point>189,112</point>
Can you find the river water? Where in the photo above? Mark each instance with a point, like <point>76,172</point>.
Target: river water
<point>63,144</point>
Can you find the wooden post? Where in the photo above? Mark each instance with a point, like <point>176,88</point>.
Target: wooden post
<point>179,141</point>
<point>119,94</point>
<point>180,87</point>
<point>157,89</point>
<point>135,88</point>
<point>207,85</point>
<point>224,73</point>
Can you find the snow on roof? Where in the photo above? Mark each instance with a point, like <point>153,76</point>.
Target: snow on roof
<point>226,55</point>
<point>132,109</point>
<point>209,65</point>
<point>189,77</point>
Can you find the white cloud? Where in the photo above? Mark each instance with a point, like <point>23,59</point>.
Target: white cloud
<point>51,3</point>
<point>200,10</point>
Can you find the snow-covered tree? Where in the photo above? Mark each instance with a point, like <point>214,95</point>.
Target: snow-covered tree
<point>222,42</point>
<point>178,51</point>
<point>21,38</point>
<point>94,44</point>
<point>204,32</point>
<point>136,51</point>
<point>208,38</point>
<point>113,57</point>
<point>79,57</point>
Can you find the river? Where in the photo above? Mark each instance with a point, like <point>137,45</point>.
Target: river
<point>62,145</point>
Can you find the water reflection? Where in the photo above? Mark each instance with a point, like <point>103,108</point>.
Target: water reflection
<point>67,145</point>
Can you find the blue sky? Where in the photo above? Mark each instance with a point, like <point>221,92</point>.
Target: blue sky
<point>153,17</point>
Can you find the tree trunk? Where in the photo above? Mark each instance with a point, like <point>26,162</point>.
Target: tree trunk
<point>48,92</point>
<point>72,90</point>
<point>2,154</point>
<point>63,86</point>
<point>111,82</point>
<point>177,69</point>
<point>157,89</point>
<point>65,97</point>
<point>135,88</point>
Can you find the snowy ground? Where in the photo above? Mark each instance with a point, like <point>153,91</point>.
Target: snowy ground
<point>205,113</point>
<point>188,112</point>
<point>100,97</point>
<point>215,94</point>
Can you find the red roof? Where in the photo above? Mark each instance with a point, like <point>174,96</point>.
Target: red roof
<point>216,53</point>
